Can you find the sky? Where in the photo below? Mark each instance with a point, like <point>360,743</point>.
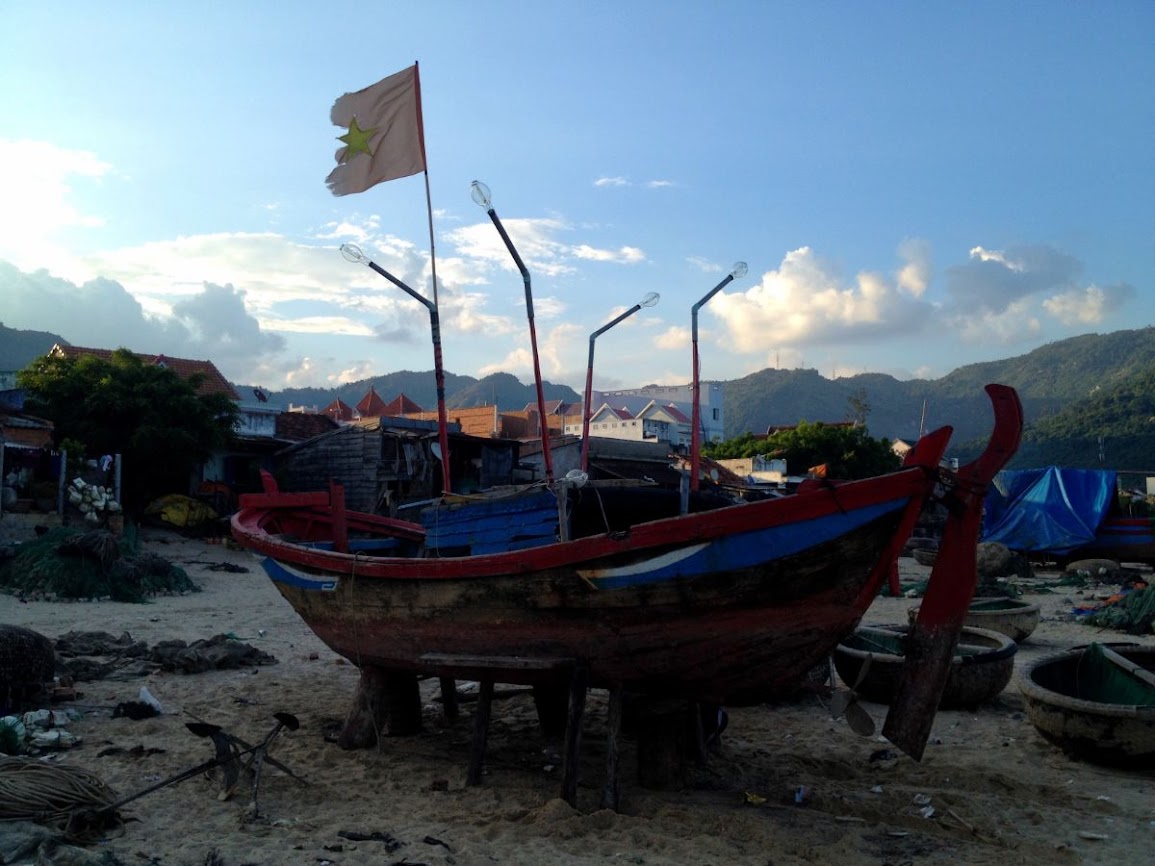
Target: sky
<point>914,186</point>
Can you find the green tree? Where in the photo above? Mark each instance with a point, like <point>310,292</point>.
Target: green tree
<point>857,406</point>
<point>157,421</point>
<point>848,452</point>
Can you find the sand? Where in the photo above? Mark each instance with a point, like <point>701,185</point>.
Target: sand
<point>1000,793</point>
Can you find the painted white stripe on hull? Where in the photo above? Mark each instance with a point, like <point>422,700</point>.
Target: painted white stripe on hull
<point>645,566</point>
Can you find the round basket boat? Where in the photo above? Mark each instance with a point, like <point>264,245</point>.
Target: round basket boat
<point>925,555</point>
<point>1015,618</point>
<point>1107,718</point>
<point>982,665</point>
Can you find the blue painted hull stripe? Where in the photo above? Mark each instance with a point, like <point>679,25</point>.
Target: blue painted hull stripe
<point>730,553</point>
<point>743,551</point>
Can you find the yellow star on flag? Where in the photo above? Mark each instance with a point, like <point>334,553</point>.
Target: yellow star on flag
<point>393,147</point>
<point>356,141</point>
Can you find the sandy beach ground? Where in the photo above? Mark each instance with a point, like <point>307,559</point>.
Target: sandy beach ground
<point>1000,793</point>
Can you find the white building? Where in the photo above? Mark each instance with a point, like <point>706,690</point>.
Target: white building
<point>681,397</point>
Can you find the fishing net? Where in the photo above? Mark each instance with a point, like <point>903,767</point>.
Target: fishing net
<point>73,563</point>
<point>1134,613</point>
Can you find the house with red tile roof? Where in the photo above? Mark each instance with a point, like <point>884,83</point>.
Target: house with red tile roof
<point>370,406</point>
<point>401,406</point>
<point>211,380</point>
<point>299,426</point>
<point>667,423</point>
<point>552,407</point>
<point>339,411</point>
<point>483,421</point>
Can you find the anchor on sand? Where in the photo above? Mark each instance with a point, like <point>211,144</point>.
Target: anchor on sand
<point>230,750</point>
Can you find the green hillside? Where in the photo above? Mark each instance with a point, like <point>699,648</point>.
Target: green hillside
<point>18,347</point>
<point>1088,400</point>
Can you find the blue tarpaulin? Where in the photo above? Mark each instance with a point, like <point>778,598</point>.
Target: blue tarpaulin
<point>1054,509</point>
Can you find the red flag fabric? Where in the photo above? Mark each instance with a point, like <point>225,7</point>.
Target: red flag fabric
<point>384,138</point>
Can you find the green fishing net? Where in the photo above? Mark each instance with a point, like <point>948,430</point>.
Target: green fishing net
<point>1133,613</point>
<point>83,564</point>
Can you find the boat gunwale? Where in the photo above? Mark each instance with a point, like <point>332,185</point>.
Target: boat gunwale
<point>1006,648</point>
<point>1038,694</point>
<point>908,486</point>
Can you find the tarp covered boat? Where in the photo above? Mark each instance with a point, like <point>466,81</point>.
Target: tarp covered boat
<point>1068,514</point>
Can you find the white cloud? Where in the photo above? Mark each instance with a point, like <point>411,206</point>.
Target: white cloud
<point>1013,325</point>
<point>1087,306</point>
<point>517,362</point>
<point>38,181</point>
<point>622,255</point>
<point>914,276</point>
<point>548,307</point>
<point>537,242</point>
<point>705,265</point>
<point>674,337</point>
<point>993,280</point>
<point>805,303</point>
<point>659,184</point>
<point>611,181</point>
<point>532,238</point>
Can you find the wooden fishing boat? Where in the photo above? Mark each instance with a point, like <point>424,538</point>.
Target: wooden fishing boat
<point>1014,617</point>
<point>727,605</point>
<point>1096,702</point>
<point>871,659</point>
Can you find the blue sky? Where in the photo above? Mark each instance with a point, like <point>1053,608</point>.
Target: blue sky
<point>915,186</point>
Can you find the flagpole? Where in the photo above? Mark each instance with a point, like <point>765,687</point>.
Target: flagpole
<point>435,310</point>
<point>425,160</point>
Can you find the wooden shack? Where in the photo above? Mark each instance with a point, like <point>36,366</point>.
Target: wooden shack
<point>386,463</point>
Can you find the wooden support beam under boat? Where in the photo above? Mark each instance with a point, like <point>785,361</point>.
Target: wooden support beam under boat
<point>611,792</point>
<point>386,703</point>
<point>578,687</point>
<point>449,702</point>
<point>480,733</point>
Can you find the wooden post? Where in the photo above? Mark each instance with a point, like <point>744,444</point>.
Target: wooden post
<point>661,743</point>
<point>480,733</point>
<point>386,702</point>
<point>449,698</point>
<point>611,793</point>
<point>367,715</point>
<point>578,686</point>
<point>551,701</point>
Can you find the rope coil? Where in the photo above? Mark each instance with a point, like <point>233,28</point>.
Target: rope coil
<point>53,794</point>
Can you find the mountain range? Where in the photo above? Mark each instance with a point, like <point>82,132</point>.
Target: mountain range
<point>1088,400</point>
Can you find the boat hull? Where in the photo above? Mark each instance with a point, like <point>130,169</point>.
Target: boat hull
<point>736,636</point>
<point>730,606</point>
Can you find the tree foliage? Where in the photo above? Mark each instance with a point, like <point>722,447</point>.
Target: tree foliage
<point>847,452</point>
<point>158,423</point>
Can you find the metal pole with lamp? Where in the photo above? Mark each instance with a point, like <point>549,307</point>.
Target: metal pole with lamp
<point>353,253</point>
<point>480,194</point>
<point>739,270</point>
<point>648,301</point>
